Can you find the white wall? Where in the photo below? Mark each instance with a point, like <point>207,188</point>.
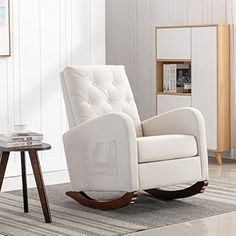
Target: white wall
<point>130,37</point>
<point>130,40</point>
<point>46,36</point>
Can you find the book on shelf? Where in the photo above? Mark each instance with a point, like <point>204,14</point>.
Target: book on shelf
<point>165,76</point>
<point>20,144</point>
<point>175,76</point>
<point>13,137</point>
<point>171,78</point>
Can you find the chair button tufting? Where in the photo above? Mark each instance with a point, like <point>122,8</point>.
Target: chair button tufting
<point>108,102</point>
<point>94,84</point>
<point>113,83</point>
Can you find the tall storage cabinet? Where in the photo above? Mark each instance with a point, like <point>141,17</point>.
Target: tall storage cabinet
<point>204,79</point>
<point>207,50</point>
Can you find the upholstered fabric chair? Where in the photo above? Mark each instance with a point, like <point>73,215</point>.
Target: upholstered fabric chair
<point>109,149</point>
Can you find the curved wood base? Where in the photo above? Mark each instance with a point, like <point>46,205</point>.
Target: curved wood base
<point>196,188</point>
<point>87,201</point>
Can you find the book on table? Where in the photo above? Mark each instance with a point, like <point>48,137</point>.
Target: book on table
<point>12,137</point>
<point>20,144</point>
<point>18,140</point>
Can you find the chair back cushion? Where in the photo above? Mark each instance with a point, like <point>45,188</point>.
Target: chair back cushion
<point>92,91</point>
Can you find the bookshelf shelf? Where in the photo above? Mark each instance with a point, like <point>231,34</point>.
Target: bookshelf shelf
<point>175,94</point>
<point>173,60</point>
<point>159,75</point>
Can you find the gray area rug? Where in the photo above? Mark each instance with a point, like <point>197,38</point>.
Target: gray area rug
<point>70,218</point>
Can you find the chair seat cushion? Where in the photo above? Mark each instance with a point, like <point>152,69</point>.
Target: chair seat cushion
<point>166,147</point>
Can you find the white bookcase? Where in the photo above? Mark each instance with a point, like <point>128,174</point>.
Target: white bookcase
<point>207,49</point>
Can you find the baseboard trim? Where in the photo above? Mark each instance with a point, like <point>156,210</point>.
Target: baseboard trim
<point>50,178</point>
<point>226,155</point>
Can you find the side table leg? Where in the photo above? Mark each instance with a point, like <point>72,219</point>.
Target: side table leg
<point>24,182</point>
<point>3,165</point>
<point>40,185</point>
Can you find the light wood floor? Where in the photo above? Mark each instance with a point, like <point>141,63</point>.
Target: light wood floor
<point>221,225</point>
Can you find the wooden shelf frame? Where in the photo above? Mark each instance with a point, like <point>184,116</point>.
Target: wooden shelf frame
<point>173,60</point>
<point>173,93</point>
<point>159,75</point>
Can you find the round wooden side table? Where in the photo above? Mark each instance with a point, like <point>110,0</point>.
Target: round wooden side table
<point>33,154</point>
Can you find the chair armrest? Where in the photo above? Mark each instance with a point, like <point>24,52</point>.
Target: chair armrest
<point>185,120</point>
<point>102,154</point>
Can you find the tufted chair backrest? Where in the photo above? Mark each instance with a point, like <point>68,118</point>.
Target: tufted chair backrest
<point>92,91</point>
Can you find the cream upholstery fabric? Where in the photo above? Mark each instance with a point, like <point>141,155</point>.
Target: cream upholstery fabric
<point>187,121</point>
<point>93,91</point>
<point>166,147</point>
<point>102,154</point>
<point>171,172</point>
<point>102,149</point>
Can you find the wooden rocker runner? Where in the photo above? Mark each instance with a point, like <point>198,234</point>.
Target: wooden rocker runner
<point>87,201</point>
<point>130,197</point>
